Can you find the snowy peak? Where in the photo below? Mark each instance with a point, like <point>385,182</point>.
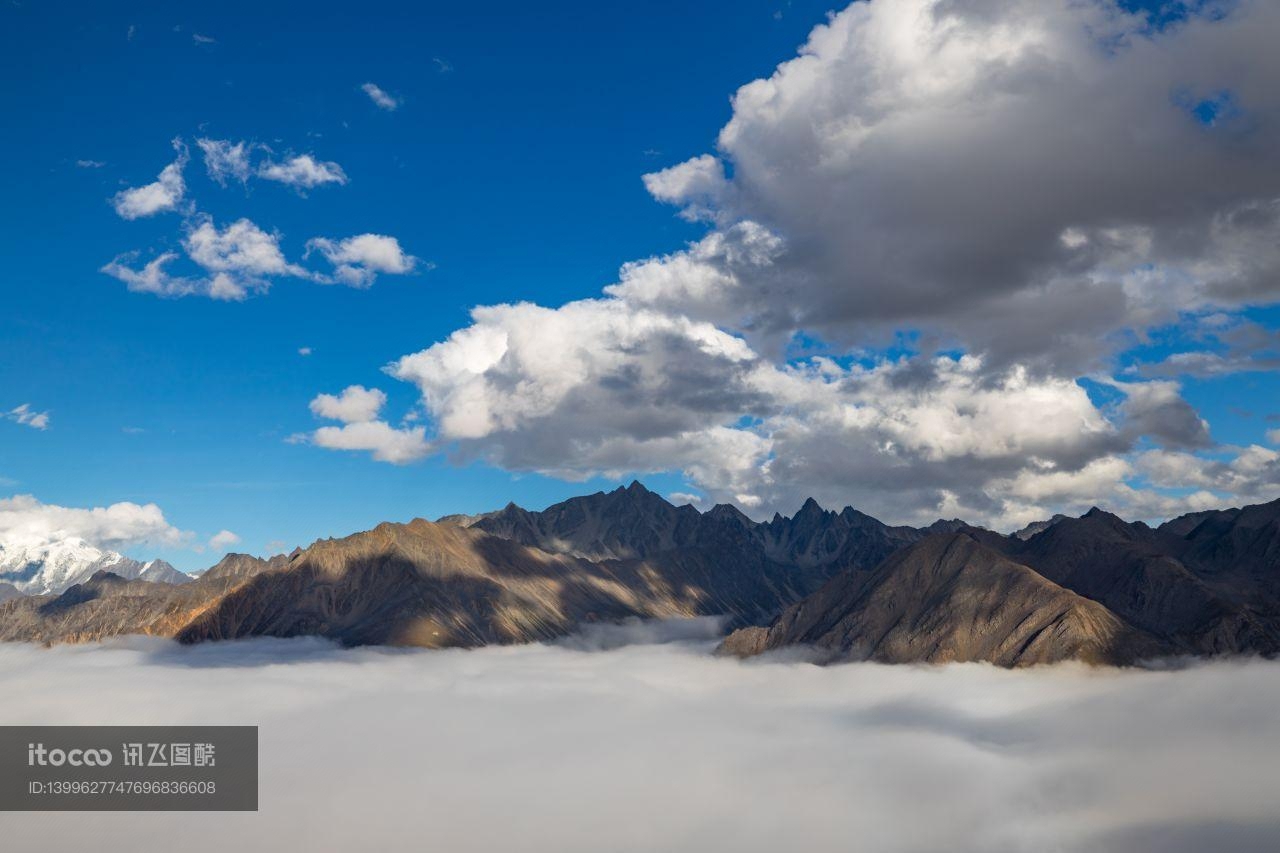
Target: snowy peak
<point>40,568</point>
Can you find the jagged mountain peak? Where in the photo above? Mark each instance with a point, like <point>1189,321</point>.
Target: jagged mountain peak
<point>161,571</point>
<point>948,525</point>
<point>810,508</point>
<point>1039,526</point>
<point>1096,524</point>
<point>234,565</point>
<point>728,512</point>
<point>851,514</point>
<point>1098,518</point>
<point>625,523</point>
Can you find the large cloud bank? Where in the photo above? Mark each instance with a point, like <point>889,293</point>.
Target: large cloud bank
<point>662,747</point>
<point>26,521</point>
<point>923,232</point>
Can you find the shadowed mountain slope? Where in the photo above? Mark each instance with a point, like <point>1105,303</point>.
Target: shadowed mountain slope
<point>431,584</point>
<point>950,598</point>
<point>1137,572</point>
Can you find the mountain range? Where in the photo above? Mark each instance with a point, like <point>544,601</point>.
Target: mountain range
<point>1094,588</point>
<point>842,584</point>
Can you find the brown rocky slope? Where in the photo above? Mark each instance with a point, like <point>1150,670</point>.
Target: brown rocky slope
<point>951,598</point>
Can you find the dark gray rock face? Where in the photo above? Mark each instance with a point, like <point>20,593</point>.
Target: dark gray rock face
<point>1038,527</point>
<point>951,598</point>
<point>1142,575</point>
<point>1204,584</point>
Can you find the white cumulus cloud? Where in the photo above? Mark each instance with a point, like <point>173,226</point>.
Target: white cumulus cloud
<point>357,408</point>
<point>383,441</point>
<point>223,540</point>
<point>917,276</point>
<point>241,247</point>
<point>302,172</point>
<point>24,521</point>
<point>358,260</point>
<point>235,261</point>
<point>913,159</point>
<point>242,259</point>
<point>164,194</point>
<point>355,404</point>
<point>698,184</point>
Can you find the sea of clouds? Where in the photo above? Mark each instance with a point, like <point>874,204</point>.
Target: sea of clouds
<point>640,740</point>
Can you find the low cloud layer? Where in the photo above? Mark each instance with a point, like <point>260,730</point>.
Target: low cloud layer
<point>663,747</point>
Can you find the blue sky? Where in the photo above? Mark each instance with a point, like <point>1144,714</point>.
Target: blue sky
<point>516,172</point>
<point>511,168</point>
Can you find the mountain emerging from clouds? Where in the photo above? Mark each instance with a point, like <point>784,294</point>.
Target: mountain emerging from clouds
<point>1095,588</point>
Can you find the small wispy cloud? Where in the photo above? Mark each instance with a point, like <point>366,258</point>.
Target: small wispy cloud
<point>203,39</point>
<point>241,259</point>
<point>90,164</point>
<point>225,160</point>
<point>27,416</point>
<point>237,260</point>
<point>133,31</point>
<point>380,96</point>
<point>304,350</point>
<point>303,172</point>
<point>443,66</point>
<point>222,540</point>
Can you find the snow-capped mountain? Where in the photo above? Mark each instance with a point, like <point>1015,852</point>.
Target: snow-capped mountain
<point>53,567</point>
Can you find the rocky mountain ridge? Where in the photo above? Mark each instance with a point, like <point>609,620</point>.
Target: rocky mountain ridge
<point>1095,588</point>
<point>1202,585</point>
